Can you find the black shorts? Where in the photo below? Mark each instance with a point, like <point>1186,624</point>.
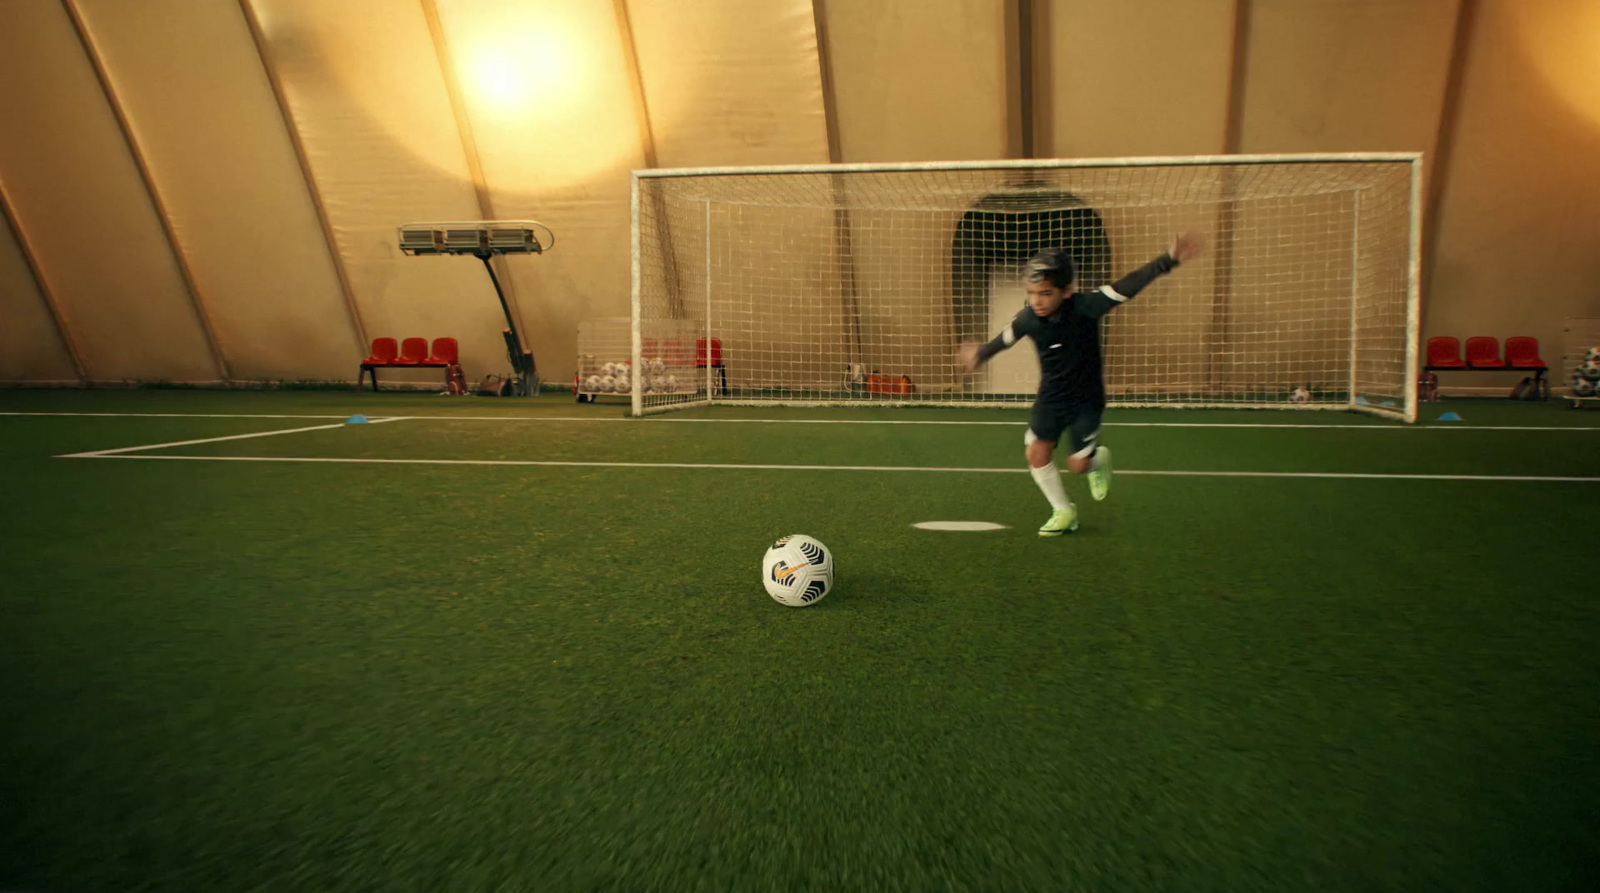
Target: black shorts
<point>1079,421</point>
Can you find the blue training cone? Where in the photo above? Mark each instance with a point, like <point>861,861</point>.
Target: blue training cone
<point>1449,417</point>
<point>357,419</point>
<point>1361,401</point>
<point>1388,403</point>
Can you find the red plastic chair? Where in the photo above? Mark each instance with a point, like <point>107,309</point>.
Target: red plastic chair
<point>1522,352</point>
<point>445,353</point>
<point>384,350</point>
<point>1444,352</point>
<point>1483,352</point>
<point>412,351</point>
<point>716,359</point>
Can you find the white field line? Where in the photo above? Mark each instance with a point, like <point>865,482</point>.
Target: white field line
<point>953,422</point>
<point>122,454</point>
<point>112,453</point>
<point>173,415</point>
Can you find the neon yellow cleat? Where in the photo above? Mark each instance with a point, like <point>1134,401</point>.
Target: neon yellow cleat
<point>1100,478</point>
<point>1061,521</point>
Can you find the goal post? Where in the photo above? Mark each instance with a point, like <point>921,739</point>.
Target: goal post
<point>854,284</point>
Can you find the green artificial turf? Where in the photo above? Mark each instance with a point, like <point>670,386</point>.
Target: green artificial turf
<point>271,675</point>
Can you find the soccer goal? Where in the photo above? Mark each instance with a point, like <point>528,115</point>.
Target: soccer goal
<point>856,283</point>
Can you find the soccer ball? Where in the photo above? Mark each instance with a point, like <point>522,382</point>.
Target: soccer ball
<point>1300,395</point>
<point>657,367</point>
<point>607,384</point>
<point>623,384</point>
<point>1590,369</point>
<point>1592,353</point>
<point>797,571</point>
<point>592,383</point>
<point>671,384</point>
<point>1582,387</point>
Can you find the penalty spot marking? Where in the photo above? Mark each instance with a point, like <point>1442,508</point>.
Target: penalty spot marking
<point>958,525</point>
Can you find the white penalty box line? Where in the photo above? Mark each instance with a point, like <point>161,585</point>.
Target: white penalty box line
<point>657,420</point>
<point>124,452</point>
<point>142,451</point>
<point>129,453</point>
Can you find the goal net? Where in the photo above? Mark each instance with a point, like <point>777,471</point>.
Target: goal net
<point>855,284</point>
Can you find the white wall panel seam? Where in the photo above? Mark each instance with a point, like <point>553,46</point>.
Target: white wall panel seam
<point>52,306</point>
<point>196,299</point>
<point>1438,167</point>
<point>352,308</point>
<point>647,136</point>
<point>469,149</point>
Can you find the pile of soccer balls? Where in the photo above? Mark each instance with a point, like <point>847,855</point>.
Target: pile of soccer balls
<point>617,378</point>
<point>1586,378</point>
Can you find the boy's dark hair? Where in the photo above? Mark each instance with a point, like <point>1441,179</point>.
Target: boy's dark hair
<point>1054,265</point>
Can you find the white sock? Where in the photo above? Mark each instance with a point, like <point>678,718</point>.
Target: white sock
<point>1094,460</point>
<point>1048,477</point>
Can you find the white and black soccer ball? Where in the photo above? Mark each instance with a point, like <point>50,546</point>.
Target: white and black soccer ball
<point>1582,387</point>
<point>1590,369</point>
<point>657,366</point>
<point>671,383</point>
<point>797,571</point>
<point>607,384</point>
<point>1592,353</point>
<point>592,383</point>
<point>1300,395</point>
<point>623,384</point>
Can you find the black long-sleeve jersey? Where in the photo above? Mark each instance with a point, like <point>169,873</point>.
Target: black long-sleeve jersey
<point>1069,340</point>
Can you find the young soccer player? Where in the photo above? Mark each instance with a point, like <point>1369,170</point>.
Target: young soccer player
<point>1065,328</point>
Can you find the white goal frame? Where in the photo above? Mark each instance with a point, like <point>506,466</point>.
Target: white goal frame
<point>1389,393</point>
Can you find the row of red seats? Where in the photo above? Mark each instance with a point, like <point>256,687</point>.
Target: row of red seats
<point>414,353</point>
<point>1483,352</point>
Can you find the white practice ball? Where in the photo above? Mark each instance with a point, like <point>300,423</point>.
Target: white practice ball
<point>1300,395</point>
<point>797,571</point>
<point>1583,387</point>
<point>607,384</point>
<point>1590,370</point>
<point>657,367</point>
<point>1592,353</point>
<point>672,383</point>
<point>592,383</point>
<point>624,385</point>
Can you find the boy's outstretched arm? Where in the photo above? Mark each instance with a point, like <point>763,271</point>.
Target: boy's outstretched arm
<point>972,354</point>
<point>1183,247</point>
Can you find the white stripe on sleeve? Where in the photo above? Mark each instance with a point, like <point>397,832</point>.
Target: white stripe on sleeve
<point>1111,293</point>
<point>1009,336</point>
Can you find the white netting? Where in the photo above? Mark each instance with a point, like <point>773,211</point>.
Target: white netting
<point>856,283</point>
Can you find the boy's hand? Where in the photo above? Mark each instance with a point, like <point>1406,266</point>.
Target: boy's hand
<point>969,356</point>
<point>1185,246</point>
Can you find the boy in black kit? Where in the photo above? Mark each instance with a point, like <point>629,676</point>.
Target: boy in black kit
<point>1065,328</point>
